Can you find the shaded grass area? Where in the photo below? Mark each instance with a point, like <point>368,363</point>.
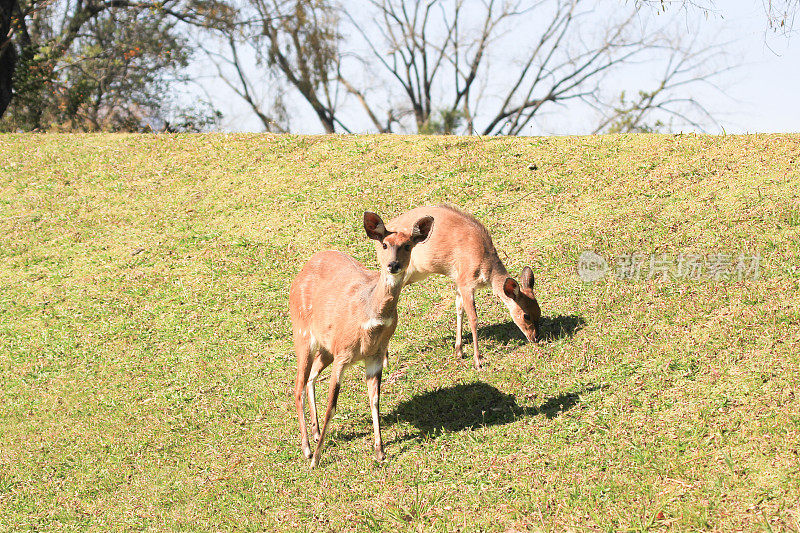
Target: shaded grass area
<point>474,405</point>
<point>146,361</point>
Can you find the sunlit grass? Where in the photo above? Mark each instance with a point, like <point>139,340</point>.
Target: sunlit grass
<point>146,363</point>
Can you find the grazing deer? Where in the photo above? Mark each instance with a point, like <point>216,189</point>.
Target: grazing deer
<point>343,313</point>
<point>460,247</point>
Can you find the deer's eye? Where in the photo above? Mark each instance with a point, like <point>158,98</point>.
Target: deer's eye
<point>527,317</point>
<point>384,245</point>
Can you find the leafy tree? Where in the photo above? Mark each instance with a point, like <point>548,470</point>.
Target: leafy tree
<point>8,54</point>
<point>90,65</point>
<point>446,122</point>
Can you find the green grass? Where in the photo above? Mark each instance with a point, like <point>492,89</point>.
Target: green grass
<point>146,363</point>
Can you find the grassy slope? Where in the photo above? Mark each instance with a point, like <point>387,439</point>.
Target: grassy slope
<point>146,360</point>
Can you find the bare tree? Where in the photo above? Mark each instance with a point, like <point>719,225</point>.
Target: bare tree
<point>663,5</point>
<point>780,13</point>
<point>448,66</point>
<point>649,109</point>
<point>303,45</point>
<point>442,68</point>
<point>293,41</point>
<point>290,46</point>
<point>425,42</point>
<point>232,69</point>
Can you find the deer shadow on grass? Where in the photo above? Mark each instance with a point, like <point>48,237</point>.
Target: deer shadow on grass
<point>551,329</point>
<point>467,406</point>
<point>480,404</point>
<point>474,405</point>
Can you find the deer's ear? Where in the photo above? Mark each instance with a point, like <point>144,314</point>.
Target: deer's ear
<point>422,229</point>
<point>374,227</point>
<point>527,278</point>
<point>511,288</point>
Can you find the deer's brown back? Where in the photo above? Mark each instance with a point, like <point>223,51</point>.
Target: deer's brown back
<point>327,299</point>
<point>459,245</point>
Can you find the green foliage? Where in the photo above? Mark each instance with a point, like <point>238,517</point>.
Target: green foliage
<point>310,28</point>
<point>628,116</point>
<point>447,122</point>
<point>119,73</point>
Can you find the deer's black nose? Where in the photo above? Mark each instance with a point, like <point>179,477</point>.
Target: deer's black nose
<point>394,267</point>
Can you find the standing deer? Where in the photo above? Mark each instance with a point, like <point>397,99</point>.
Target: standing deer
<point>460,247</point>
<point>343,313</point>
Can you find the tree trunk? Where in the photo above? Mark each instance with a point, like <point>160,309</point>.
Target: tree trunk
<point>8,55</point>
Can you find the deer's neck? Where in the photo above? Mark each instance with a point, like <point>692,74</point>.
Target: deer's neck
<point>381,300</point>
<point>498,279</point>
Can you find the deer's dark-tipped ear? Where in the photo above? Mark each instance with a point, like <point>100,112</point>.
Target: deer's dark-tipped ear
<point>511,288</point>
<point>422,229</point>
<point>374,227</point>
<point>527,278</point>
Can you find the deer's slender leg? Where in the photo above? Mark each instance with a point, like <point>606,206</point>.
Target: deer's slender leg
<point>374,370</point>
<point>333,395</point>
<point>320,363</point>
<point>472,317</point>
<point>302,349</point>
<point>459,317</point>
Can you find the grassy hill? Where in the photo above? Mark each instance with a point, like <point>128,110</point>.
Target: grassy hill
<point>146,363</point>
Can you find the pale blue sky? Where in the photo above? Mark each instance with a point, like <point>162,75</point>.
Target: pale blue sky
<point>766,88</point>
<point>759,96</point>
